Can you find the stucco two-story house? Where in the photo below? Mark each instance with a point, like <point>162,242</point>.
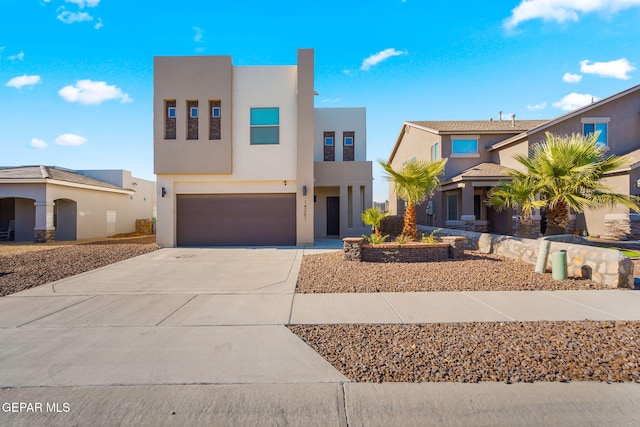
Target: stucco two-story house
<point>480,152</point>
<point>242,157</point>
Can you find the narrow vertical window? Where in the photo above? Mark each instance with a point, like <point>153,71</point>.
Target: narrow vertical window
<point>348,146</point>
<point>192,120</point>
<point>215,131</point>
<point>170,119</point>
<point>435,151</point>
<point>329,146</point>
<point>452,207</point>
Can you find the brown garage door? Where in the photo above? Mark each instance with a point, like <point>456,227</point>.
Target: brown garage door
<point>236,219</point>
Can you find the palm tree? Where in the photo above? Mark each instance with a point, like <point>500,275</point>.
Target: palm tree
<point>414,183</point>
<point>373,217</point>
<point>568,170</point>
<point>518,193</point>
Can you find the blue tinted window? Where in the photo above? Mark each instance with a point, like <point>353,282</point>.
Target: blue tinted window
<point>328,141</point>
<point>434,151</point>
<point>215,112</point>
<point>599,128</point>
<point>172,112</point>
<point>194,112</point>
<point>348,141</point>
<point>265,116</point>
<point>464,146</point>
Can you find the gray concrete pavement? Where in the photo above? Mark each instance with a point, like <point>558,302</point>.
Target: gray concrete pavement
<point>197,336</point>
<point>350,404</point>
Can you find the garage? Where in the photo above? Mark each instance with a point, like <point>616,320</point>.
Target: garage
<point>236,219</point>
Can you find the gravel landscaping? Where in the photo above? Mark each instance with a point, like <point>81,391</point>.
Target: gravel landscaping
<point>472,352</point>
<point>330,273</point>
<point>25,266</point>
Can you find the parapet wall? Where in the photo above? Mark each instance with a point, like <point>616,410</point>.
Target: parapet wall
<point>602,265</point>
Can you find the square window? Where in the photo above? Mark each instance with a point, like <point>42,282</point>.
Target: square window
<point>215,112</point>
<point>328,141</point>
<point>348,141</point>
<point>193,112</point>
<point>265,126</point>
<point>171,112</point>
<point>598,128</point>
<point>464,146</point>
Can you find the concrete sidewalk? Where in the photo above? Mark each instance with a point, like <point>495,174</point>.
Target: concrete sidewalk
<point>195,336</point>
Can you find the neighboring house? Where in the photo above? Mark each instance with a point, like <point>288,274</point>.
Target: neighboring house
<point>243,158</point>
<point>480,152</point>
<point>51,203</point>
<point>469,173</point>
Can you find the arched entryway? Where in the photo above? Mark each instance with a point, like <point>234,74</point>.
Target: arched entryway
<point>65,219</point>
<point>22,211</point>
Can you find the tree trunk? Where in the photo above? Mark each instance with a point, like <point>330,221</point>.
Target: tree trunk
<point>409,228</point>
<point>557,219</point>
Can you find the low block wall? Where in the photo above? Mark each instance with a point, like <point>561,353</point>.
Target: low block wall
<point>607,266</point>
<point>393,252</point>
<point>355,249</point>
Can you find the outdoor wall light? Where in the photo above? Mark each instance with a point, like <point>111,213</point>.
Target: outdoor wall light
<point>163,192</point>
<point>304,190</point>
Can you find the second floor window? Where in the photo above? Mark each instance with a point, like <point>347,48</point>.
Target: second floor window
<point>599,129</point>
<point>464,147</point>
<point>265,126</point>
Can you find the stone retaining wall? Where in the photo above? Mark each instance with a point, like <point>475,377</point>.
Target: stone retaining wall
<point>355,249</point>
<point>607,266</point>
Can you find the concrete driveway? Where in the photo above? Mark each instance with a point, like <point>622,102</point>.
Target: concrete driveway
<point>198,337</point>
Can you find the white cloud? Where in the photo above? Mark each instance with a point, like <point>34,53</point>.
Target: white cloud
<point>71,17</point>
<point>535,107</point>
<point>99,24</point>
<point>82,3</point>
<point>17,57</point>
<point>571,78</point>
<point>91,92</point>
<point>70,140</point>
<point>377,58</point>
<point>25,80</point>
<point>619,69</point>
<point>574,100</point>
<point>563,10</point>
<point>331,100</point>
<point>37,143</point>
<point>198,36</point>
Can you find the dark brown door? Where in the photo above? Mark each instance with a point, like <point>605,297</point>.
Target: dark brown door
<point>333,216</point>
<point>236,219</point>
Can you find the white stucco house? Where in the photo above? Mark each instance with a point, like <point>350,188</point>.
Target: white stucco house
<point>242,157</point>
<point>51,203</point>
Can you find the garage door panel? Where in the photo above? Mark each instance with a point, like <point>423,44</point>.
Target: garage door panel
<point>236,219</point>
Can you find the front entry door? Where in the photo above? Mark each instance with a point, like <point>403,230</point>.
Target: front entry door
<point>333,216</point>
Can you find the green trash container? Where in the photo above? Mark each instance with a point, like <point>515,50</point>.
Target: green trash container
<point>559,265</point>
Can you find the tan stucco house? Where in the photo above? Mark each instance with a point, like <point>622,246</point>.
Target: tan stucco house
<point>479,153</point>
<point>242,157</point>
<point>48,203</point>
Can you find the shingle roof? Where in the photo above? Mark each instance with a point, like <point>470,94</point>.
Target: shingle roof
<point>483,170</point>
<point>51,172</point>
<point>479,125</point>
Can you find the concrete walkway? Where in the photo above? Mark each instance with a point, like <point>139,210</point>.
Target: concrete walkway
<point>194,336</point>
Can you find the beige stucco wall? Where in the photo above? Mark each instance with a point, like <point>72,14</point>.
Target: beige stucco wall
<point>505,156</point>
<point>283,168</point>
<point>341,120</point>
<point>623,129</point>
<point>332,177</point>
<point>99,212</point>
<point>183,79</point>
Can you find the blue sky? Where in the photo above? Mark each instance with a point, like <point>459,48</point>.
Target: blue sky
<point>76,76</point>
